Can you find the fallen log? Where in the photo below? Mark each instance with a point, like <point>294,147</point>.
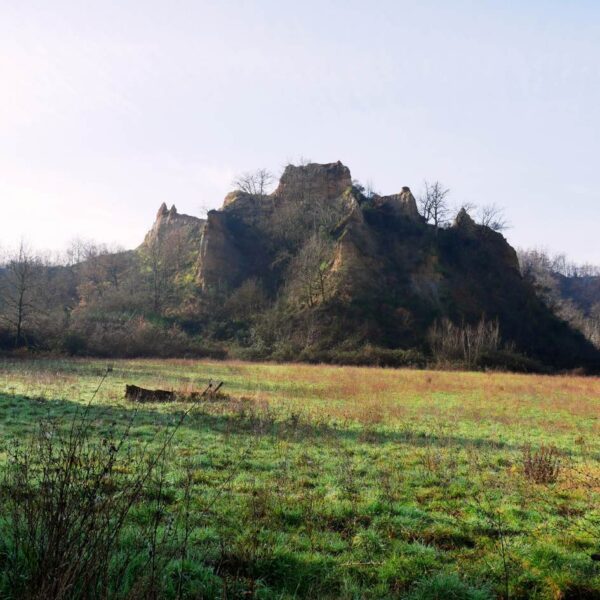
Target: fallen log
<point>134,393</point>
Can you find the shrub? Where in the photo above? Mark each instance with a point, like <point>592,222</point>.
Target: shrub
<point>367,355</point>
<point>134,338</point>
<point>508,360</point>
<point>66,500</point>
<point>543,465</point>
<point>466,343</point>
<point>73,343</point>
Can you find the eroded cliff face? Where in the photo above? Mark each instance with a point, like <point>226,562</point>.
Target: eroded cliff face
<point>402,204</point>
<point>318,245</point>
<point>308,198</point>
<point>321,182</point>
<point>171,248</point>
<point>220,264</point>
<point>169,222</point>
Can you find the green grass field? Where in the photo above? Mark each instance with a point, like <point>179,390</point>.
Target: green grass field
<point>337,482</point>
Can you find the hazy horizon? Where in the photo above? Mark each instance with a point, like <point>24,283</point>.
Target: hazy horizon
<point>109,110</point>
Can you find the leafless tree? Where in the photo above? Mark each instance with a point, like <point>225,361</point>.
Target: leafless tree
<point>433,203</point>
<point>367,190</point>
<point>292,220</point>
<point>164,258</point>
<point>77,251</point>
<point>467,343</point>
<point>492,216</point>
<point>157,264</point>
<point>247,300</point>
<point>308,269</point>
<point>370,191</point>
<point>468,207</point>
<point>19,293</point>
<point>203,210</point>
<point>256,183</point>
<point>545,272</point>
<point>99,268</point>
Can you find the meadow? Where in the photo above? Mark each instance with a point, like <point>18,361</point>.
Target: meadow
<point>335,482</point>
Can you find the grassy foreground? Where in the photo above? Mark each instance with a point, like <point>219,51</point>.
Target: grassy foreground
<point>335,482</point>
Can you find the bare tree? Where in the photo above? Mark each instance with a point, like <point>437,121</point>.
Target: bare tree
<point>77,251</point>
<point>256,183</point>
<point>203,209</point>
<point>433,203</point>
<point>158,268</point>
<point>309,268</point>
<point>492,216</point>
<point>292,220</point>
<point>164,260</point>
<point>99,268</point>
<point>468,207</point>
<point>370,191</point>
<point>247,300</point>
<point>367,190</point>
<point>547,273</point>
<point>450,342</point>
<point>19,290</point>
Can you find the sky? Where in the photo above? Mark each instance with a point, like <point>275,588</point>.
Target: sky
<point>109,108</point>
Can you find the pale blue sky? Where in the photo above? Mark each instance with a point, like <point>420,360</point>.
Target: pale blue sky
<point>109,108</point>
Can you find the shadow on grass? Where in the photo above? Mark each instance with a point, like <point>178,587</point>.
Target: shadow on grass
<point>20,414</point>
<point>154,373</point>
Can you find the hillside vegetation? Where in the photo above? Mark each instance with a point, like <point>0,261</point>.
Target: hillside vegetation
<point>570,291</point>
<point>319,270</point>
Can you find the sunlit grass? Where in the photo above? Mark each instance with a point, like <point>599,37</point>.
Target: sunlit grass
<point>348,482</point>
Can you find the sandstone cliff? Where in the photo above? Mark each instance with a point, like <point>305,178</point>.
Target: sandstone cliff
<point>366,269</point>
<point>169,222</point>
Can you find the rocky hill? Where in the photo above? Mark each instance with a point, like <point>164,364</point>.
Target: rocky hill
<point>170,223</point>
<point>322,266</point>
<point>318,270</point>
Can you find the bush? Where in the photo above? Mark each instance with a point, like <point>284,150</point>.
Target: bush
<point>367,356</point>
<point>507,360</point>
<point>74,344</point>
<point>7,340</point>
<point>252,353</point>
<point>466,343</point>
<point>136,338</point>
<point>66,501</point>
<point>543,465</point>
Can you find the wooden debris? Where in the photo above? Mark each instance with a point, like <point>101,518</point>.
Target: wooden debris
<point>133,393</point>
